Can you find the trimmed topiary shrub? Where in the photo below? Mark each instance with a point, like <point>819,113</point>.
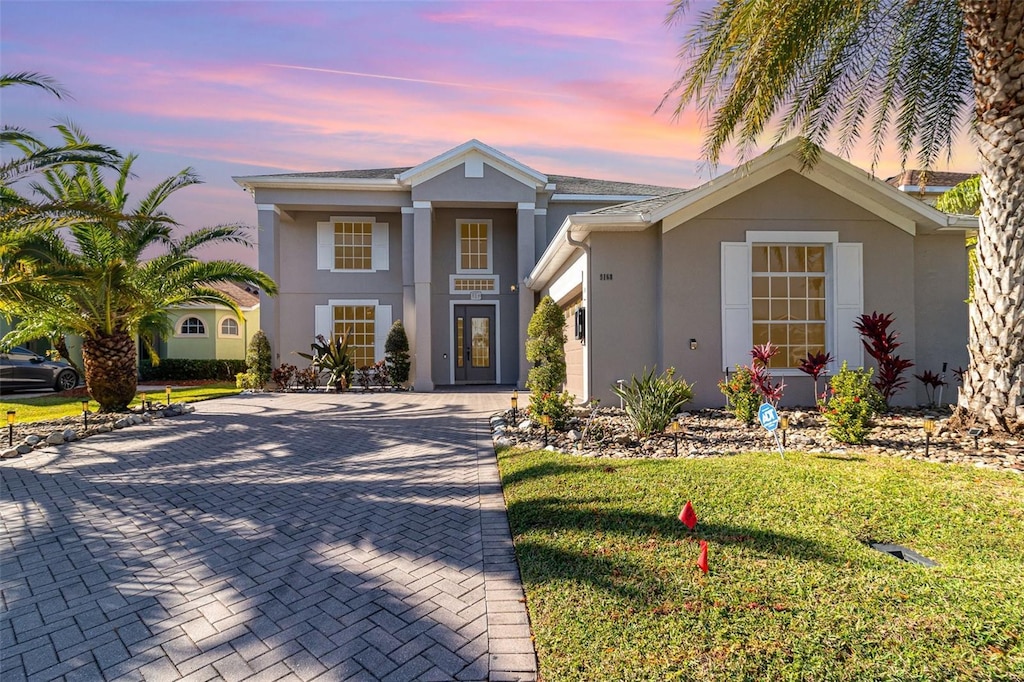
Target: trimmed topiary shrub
<point>258,360</point>
<point>396,352</point>
<point>545,348</point>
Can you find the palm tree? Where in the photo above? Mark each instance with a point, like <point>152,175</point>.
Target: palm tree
<point>917,71</point>
<point>92,279</point>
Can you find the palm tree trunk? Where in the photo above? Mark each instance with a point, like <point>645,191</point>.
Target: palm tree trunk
<point>993,391</point>
<point>110,370</point>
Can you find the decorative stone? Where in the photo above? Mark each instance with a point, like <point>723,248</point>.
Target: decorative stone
<point>55,438</point>
<point>502,442</point>
<point>32,439</point>
<point>104,428</point>
<point>23,449</point>
<point>9,453</point>
<point>69,435</point>
<point>575,435</point>
<point>190,408</point>
<point>525,425</point>
<point>121,423</point>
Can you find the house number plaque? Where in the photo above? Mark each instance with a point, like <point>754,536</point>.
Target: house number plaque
<point>605,276</point>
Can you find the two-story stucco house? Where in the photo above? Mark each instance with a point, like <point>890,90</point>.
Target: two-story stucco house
<point>461,247</point>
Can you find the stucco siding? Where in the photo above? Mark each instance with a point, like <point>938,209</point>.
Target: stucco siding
<point>940,279</point>
<point>624,310</point>
<point>454,186</point>
<point>692,283</point>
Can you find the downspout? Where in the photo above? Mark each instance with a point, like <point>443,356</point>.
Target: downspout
<point>588,372</point>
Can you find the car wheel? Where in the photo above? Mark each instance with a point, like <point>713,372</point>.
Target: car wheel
<point>66,380</point>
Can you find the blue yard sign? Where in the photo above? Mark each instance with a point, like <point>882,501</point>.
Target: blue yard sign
<point>768,417</point>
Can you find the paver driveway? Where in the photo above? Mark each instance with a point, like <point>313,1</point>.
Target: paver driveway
<point>271,537</point>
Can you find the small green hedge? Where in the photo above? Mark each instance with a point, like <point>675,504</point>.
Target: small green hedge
<point>176,368</point>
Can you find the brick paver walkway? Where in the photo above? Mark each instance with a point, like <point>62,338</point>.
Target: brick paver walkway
<point>271,537</point>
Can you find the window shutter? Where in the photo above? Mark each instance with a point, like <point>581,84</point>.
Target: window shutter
<point>737,334</point>
<point>849,279</point>
<point>323,324</point>
<point>380,251</point>
<point>325,246</point>
<point>381,329</point>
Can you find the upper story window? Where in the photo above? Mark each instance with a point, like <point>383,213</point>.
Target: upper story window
<point>192,326</point>
<point>788,300</point>
<point>229,327</point>
<point>352,244</point>
<point>473,246</point>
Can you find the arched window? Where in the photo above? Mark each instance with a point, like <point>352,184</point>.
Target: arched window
<point>192,326</point>
<point>229,327</point>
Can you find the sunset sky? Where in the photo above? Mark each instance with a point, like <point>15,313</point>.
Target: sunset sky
<point>239,88</point>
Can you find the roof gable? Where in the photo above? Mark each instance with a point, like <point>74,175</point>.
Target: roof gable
<point>474,154</point>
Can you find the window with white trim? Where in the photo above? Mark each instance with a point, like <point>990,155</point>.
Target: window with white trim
<point>192,326</point>
<point>801,290</point>
<point>352,244</point>
<point>229,327</point>
<point>788,300</point>
<point>473,246</point>
<point>365,320</point>
<point>462,284</point>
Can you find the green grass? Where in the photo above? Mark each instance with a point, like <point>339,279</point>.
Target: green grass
<point>793,592</point>
<point>57,406</point>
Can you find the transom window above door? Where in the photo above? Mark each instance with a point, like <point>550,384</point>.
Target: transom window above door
<point>473,246</point>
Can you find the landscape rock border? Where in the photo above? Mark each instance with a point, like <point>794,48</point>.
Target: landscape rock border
<point>31,436</point>
<point>606,432</point>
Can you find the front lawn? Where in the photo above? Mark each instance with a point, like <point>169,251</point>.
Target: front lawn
<point>793,591</point>
<point>60,405</point>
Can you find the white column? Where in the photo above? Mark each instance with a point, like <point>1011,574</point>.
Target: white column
<point>408,310</point>
<point>422,378</point>
<point>269,253</point>
<point>526,253</point>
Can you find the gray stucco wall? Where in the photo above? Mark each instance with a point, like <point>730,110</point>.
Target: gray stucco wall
<point>454,186</point>
<point>692,284</point>
<point>624,310</point>
<point>303,286</point>
<point>503,223</point>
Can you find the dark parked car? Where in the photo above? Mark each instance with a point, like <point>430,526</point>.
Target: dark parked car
<point>21,368</point>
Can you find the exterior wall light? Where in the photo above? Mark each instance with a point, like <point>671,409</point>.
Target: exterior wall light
<point>693,344</point>
<point>513,288</point>
<point>10,428</point>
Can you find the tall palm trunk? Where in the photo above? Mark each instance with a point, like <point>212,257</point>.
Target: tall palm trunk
<point>110,369</point>
<point>993,390</point>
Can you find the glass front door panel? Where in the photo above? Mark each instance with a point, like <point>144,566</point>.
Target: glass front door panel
<point>481,342</point>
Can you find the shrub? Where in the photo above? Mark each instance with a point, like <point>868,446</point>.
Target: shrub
<point>246,380</point>
<point>761,377</point>
<point>332,356</point>
<point>282,376</point>
<point>382,374</point>
<point>545,347</point>
<point>364,377</point>
<point>651,401</point>
<point>742,398</point>
<point>257,358</point>
<point>171,369</point>
<point>396,352</point>
<point>814,365</point>
<point>880,343</point>
<point>932,382</point>
<point>553,404</point>
<point>850,402</point>
<point>308,378</point>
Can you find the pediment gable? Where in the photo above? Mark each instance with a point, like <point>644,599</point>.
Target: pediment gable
<point>473,156</point>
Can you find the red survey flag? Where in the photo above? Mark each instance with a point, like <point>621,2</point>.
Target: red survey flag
<point>688,516</point>
<point>702,560</point>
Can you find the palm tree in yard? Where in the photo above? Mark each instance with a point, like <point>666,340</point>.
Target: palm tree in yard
<point>110,275</point>
<point>913,71</point>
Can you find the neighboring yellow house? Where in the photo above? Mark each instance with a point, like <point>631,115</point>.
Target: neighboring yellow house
<point>212,332</point>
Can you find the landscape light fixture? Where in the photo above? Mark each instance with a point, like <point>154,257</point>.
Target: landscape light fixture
<point>929,429</point>
<point>143,400</point>
<point>784,426</point>
<point>85,414</point>
<point>674,428</point>
<point>515,404</point>
<point>974,433</point>
<point>167,391</point>
<point>546,421</point>
<point>10,428</point>
<point>693,344</point>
